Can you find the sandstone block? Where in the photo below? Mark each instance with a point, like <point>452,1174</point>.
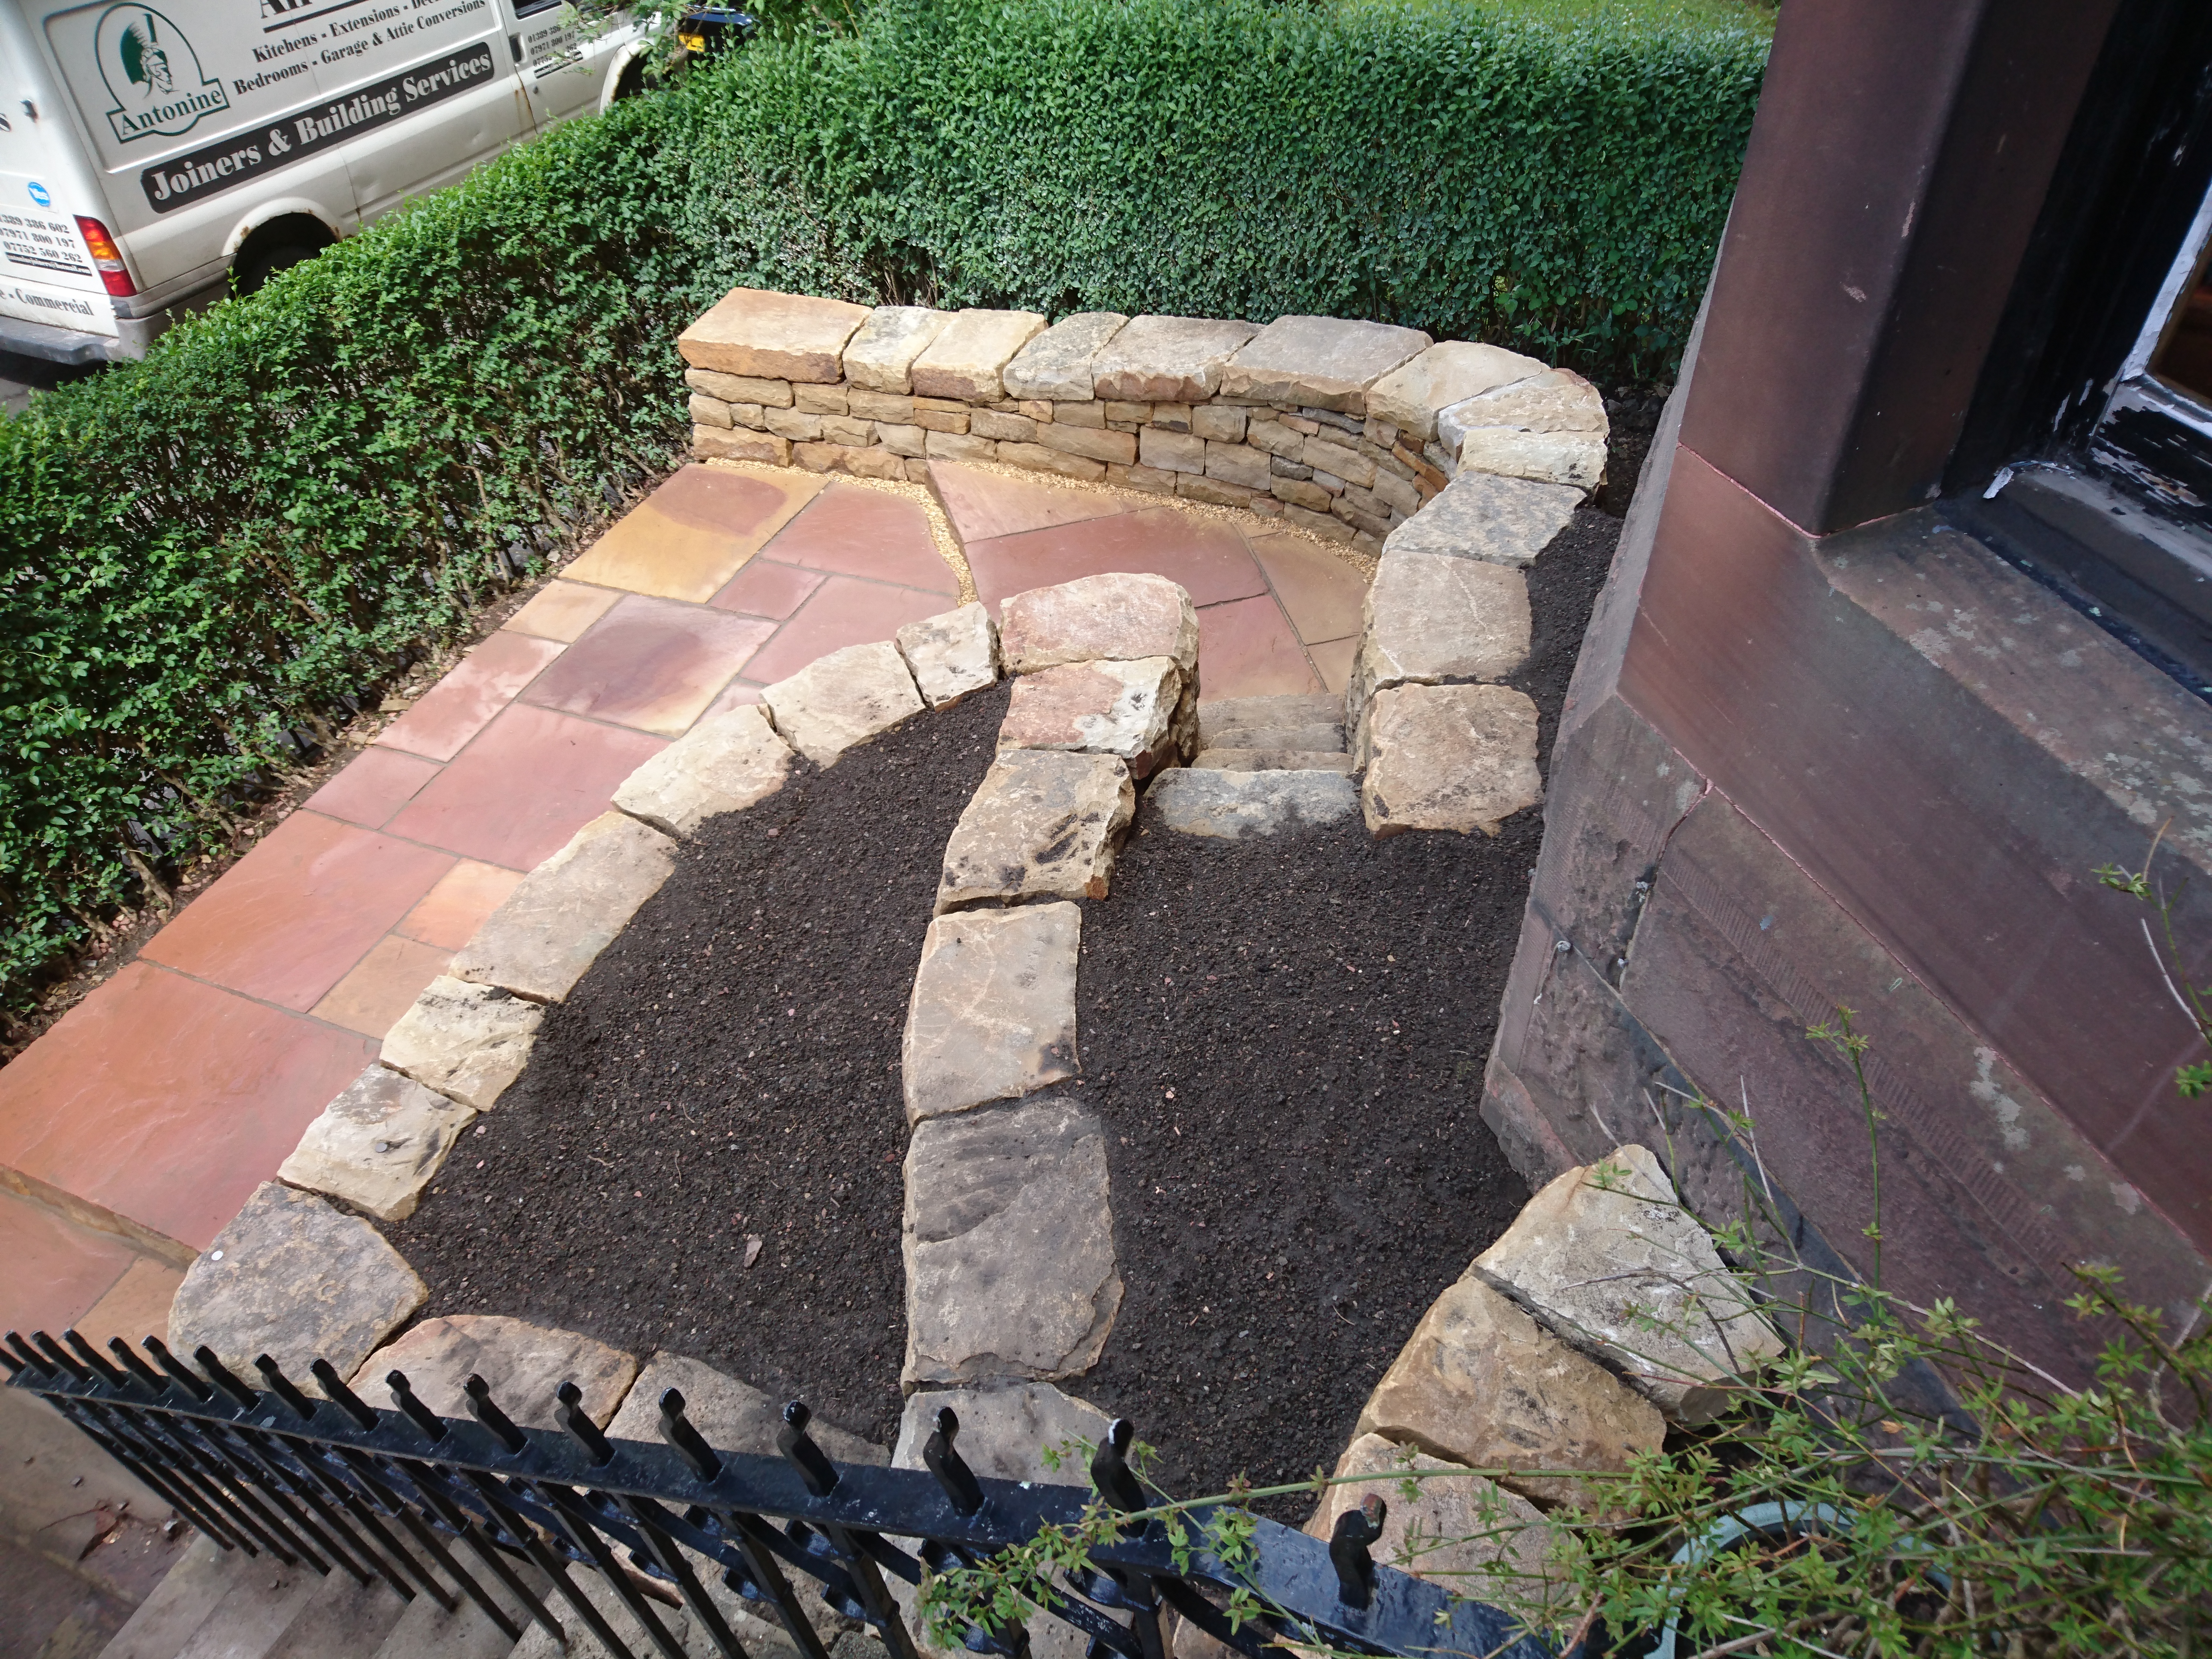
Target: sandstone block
<point>553,927</point>
<point>1171,451</point>
<point>1450,372</point>
<point>783,337</point>
<point>951,654</point>
<point>1129,414</point>
<point>1237,464</point>
<point>1319,362</point>
<point>1431,619</point>
<point>1151,479</point>
<point>940,420</point>
<point>863,404</point>
<point>298,1280</point>
<point>1275,438</point>
<point>1092,415</point>
<point>810,399</point>
<point>1320,524</point>
<point>1459,757</point>
<point>1035,458</point>
<point>1551,426</point>
<point>844,430</point>
<point>1042,824</point>
<point>1480,1383</point>
<point>1608,1258</point>
<point>966,359</point>
<point>1275,760</point>
<point>902,439</point>
<point>1094,444</point>
<point>714,443</point>
<point>378,1144</point>
<point>1172,418</point>
<point>1009,1245</point>
<point>792,424</point>
<point>1300,493</point>
<point>1479,515</point>
<point>959,447</point>
<point>723,764</point>
<point>1391,490</point>
<point>467,1041</point>
<point>733,1416</point>
<point>740,388</point>
<point>985,423</point>
<point>842,698</point>
<point>1239,805</point>
<point>1222,719</point>
<point>1219,423</point>
<point>874,463</point>
<point>993,1012</point>
<point>1168,359</point>
<point>708,412</point>
<point>1559,458</point>
<point>752,416</point>
<point>1057,363</point>
<point>817,458</point>
<point>525,1364</point>
<point>1126,710</point>
<point>881,354</point>
<point>1193,487</point>
<point>1338,460</point>
<point>1121,615</point>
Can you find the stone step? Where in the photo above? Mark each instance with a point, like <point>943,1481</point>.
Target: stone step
<point>1242,759</point>
<point>1317,737</point>
<point>1295,709</point>
<point>1234,805</point>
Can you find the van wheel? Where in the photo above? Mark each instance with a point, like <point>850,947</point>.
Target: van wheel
<point>631,81</point>
<point>277,246</point>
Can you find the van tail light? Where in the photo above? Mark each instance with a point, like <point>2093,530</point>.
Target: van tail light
<point>106,257</point>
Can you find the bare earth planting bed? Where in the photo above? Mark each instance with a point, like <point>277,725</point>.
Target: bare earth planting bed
<point>728,1071</point>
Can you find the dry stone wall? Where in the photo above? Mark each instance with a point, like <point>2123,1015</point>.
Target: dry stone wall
<point>1341,428</point>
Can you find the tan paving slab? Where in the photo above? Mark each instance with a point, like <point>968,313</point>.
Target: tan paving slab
<point>1457,757</point>
<point>690,536</point>
<point>842,698</point>
<point>992,1012</point>
<point>725,763</point>
<point>1042,824</point>
<point>524,1364</point>
<point>467,1041</point>
<point>552,927</point>
<point>377,1145</point>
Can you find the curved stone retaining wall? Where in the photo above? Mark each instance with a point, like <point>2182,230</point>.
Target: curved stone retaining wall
<point>1344,428</point>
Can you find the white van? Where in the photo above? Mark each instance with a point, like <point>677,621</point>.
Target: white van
<point>148,150</point>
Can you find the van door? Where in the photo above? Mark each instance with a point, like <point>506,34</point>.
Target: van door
<point>46,274</point>
<point>565,53</point>
<point>485,111</point>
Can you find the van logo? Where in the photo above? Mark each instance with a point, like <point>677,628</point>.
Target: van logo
<point>40,194</point>
<point>152,75</point>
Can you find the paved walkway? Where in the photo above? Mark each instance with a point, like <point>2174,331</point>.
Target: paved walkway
<point>155,1106</point>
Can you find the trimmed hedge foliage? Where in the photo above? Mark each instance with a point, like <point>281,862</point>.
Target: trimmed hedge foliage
<point>203,557</point>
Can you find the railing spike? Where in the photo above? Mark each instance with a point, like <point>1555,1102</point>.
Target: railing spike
<point>137,1367</point>
<point>335,1390</point>
<point>814,1467</point>
<point>283,1387</point>
<point>482,1407</point>
<point>223,1377</point>
<point>58,1357</point>
<point>432,1424</point>
<point>942,1460</point>
<point>1109,1467</point>
<point>690,1445</point>
<point>93,1357</point>
<point>180,1373</point>
<point>23,1356</point>
<point>1348,1553</point>
<point>574,1419</point>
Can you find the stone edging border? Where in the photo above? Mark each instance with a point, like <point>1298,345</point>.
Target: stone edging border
<point>1341,428</point>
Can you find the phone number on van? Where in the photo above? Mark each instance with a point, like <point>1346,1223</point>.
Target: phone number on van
<point>187,178</point>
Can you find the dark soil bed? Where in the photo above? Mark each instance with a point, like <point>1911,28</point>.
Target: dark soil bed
<point>1287,1038</point>
<point>728,1067</point>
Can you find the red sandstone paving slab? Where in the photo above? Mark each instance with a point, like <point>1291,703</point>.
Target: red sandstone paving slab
<point>1333,658</point>
<point>1246,649</point>
<point>844,610</point>
<point>1207,556</point>
<point>1319,592</point>
<point>561,609</point>
<point>855,530</point>
<point>373,785</point>
<point>650,663</point>
<point>460,705</point>
<point>690,536</point>
<point>519,791</point>
<point>136,1307</point>
<point>288,920</point>
<point>168,1101</point>
<point>765,588</point>
<point>383,985</point>
<point>451,912</point>
<point>985,505</point>
<point>57,1270</point>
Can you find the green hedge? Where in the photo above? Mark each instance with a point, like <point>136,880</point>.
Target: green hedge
<point>204,557</point>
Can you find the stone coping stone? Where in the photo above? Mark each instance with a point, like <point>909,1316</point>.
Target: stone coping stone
<point>1220,719</point>
<point>774,337</point>
<point>1122,616</point>
<point>966,358</point>
<point>294,1277</point>
<point>467,1041</point>
<point>1431,619</point>
<point>1319,362</point>
<point>1239,805</point>
<point>1004,1430</point>
<point>733,1415</point>
<point>1463,1532</point>
<point>842,698</point>
<point>880,354</point>
<point>524,1363</point>
<point>1482,1383</point>
<point>1450,372</point>
<point>1275,760</point>
<point>1479,516</point>
<point>1457,757</point>
<point>1605,1253</point>
<point>1551,426</point>
<point>1126,710</point>
<point>992,1012</point>
<point>951,654</point>
<point>552,926</point>
<point>378,1144</point>
<point>1575,459</point>
<point>1043,824</point>
<point>1056,365</point>
<point>725,763</point>
<point>1167,360</point>
<point>1009,1245</point>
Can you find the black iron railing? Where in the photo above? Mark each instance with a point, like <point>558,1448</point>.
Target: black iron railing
<point>339,1485</point>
